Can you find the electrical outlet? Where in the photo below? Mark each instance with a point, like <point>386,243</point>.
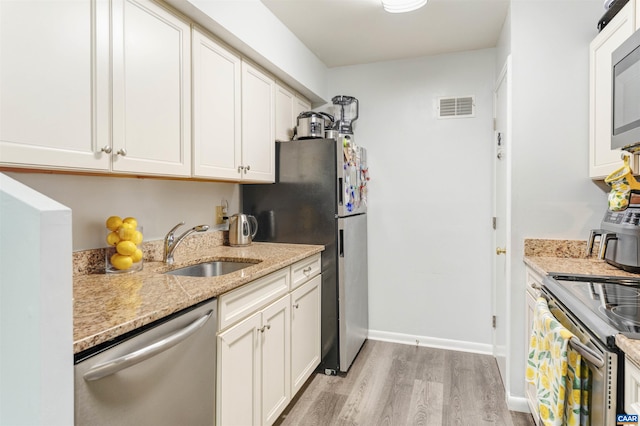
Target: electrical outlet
<point>220,215</point>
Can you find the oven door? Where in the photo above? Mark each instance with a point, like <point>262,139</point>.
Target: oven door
<point>603,364</point>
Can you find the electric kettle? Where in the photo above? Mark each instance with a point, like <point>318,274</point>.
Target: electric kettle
<point>242,229</point>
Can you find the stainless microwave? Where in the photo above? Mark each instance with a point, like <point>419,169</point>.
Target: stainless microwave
<point>625,132</point>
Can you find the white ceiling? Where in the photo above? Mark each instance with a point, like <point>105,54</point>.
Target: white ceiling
<point>349,32</point>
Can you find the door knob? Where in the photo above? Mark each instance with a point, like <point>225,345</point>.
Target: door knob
<point>500,250</point>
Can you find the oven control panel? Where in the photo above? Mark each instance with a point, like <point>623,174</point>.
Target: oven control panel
<point>630,216</point>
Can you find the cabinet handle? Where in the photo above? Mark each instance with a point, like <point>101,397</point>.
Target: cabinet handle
<point>264,327</point>
<point>240,168</point>
<point>246,169</point>
<point>307,271</point>
<point>106,149</point>
<point>122,152</point>
<point>297,305</point>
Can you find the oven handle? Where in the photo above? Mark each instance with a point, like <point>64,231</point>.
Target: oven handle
<point>587,353</point>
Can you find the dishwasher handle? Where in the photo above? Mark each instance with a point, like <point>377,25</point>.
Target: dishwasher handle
<point>125,361</point>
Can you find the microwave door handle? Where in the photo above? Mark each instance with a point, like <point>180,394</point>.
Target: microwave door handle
<point>125,361</point>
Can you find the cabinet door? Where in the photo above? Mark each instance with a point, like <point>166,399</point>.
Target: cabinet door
<point>54,90</point>
<point>284,114</point>
<point>151,90</point>
<point>258,130</point>
<point>276,359</point>
<point>239,379</point>
<point>305,332</point>
<point>216,110</point>
<point>299,105</point>
<point>602,159</point>
<point>631,387</point>
<point>530,389</point>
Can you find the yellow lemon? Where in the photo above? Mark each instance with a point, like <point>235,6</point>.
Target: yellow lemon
<point>113,238</point>
<point>113,223</point>
<point>121,262</point>
<point>137,237</point>
<point>131,221</point>
<point>126,232</point>
<point>126,248</point>
<point>136,256</point>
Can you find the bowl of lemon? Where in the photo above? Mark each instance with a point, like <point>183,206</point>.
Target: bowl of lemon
<point>124,237</point>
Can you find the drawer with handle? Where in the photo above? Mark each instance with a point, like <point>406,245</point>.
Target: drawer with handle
<point>304,270</point>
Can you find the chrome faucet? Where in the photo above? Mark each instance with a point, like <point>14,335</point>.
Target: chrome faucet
<point>171,243</point>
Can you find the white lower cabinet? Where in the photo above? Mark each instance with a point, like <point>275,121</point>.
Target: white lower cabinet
<point>275,344</point>
<point>254,375</point>
<point>631,387</point>
<point>305,331</point>
<point>268,345</point>
<point>238,375</point>
<point>533,283</point>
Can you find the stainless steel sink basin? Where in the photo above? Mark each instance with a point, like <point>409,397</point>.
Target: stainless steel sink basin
<point>210,269</point>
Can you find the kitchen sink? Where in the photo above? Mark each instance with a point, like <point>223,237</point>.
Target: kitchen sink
<point>210,269</point>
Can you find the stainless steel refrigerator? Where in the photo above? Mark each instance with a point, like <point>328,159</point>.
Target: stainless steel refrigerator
<point>320,198</point>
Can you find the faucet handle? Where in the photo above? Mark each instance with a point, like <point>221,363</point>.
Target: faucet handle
<point>170,233</point>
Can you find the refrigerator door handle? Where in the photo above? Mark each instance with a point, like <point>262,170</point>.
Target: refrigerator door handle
<point>341,244</point>
<point>340,191</point>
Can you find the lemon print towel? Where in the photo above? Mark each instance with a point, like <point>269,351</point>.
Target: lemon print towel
<point>560,375</point>
<point>622,183</point>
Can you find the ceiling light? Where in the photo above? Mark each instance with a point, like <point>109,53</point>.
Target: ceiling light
<point>401,6</point>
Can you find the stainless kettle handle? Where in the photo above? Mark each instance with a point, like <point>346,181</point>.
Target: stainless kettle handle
<point>254,226</point>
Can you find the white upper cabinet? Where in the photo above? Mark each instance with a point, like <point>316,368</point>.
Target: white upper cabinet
<point>602,159</point>
<point>54,99</point>
<point>285,100</point>
<point>217,136</point>
<point>151,90</point>
<point>288,107</point>
<point>299,105</point>
<point>258,125</point>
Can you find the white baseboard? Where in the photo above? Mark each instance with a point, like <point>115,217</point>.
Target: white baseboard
<point>518,403</point>
<point>431,342</point>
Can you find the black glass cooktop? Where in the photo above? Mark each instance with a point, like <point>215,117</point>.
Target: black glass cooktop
<point>606,305</point>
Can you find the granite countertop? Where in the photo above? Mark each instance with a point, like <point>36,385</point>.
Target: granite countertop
<point>546,256</point>
<point>106,306</point>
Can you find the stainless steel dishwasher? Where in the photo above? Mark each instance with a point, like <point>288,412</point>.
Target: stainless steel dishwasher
<point>163,374</point>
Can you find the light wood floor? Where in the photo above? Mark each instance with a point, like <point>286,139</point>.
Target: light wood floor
<point>393,384</point>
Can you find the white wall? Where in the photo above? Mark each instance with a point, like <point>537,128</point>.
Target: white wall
<point>157,204</point>
<point>553,195</point>
<point>430,196</point>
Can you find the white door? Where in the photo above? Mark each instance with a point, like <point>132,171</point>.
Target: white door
<point>285,101</point>
<point>239,377</point>
<point>276,359</point>
<point>151,90</point>
<point>305,332</point>
<point>217,116</point>
<point>501,218</point>
<point>258,125</point>
<point>54,90</point>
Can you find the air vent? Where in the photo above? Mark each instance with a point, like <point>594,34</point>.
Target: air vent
<point>456,107</point>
